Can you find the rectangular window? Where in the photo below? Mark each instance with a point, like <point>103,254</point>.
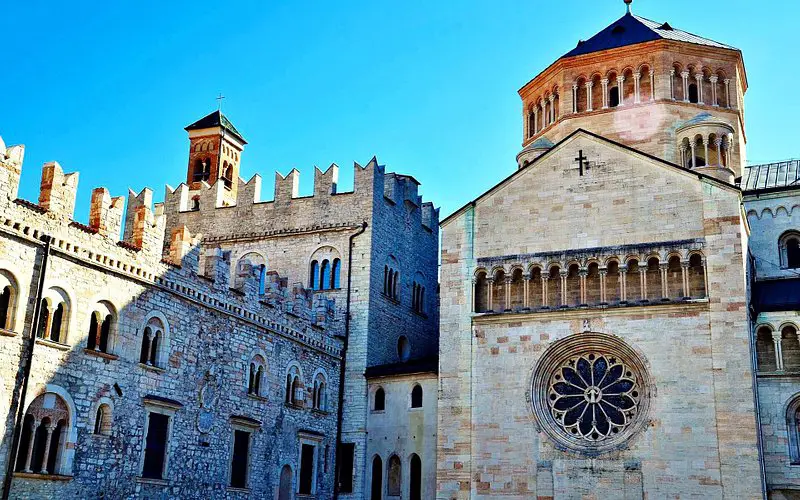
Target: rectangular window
<point>155,450</point>
<point>241,458</point>
<point>307,469</point>
<point>346,457</point>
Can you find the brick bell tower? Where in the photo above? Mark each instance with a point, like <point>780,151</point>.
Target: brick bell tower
<point>215,149</point>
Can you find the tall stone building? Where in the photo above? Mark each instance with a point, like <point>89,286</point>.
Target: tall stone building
<point>226,345</point>
<point>595,336</point>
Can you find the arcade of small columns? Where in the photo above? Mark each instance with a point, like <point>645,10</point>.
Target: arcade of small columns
<point>544,112</point>
<point>590,285</point>
<point>718,142</point>
<point>781,346</point>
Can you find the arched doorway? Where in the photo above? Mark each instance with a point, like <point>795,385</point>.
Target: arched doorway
<point>285,487</point>
<point>377,479</point>
<point>416,478</point>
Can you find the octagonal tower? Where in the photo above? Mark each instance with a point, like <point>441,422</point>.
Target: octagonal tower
<point>655,88</point>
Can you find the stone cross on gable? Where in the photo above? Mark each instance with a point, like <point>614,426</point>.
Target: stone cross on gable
<point>582,163</point>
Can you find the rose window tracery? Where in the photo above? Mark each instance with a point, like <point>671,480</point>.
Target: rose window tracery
<point>593,396</point>
<point>590,393</point>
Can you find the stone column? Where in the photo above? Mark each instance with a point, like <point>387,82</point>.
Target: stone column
<point>603,273</point>
<point>98,331</point>
<point>728,93</point>
<point>564,288</point>
<point>582,274</point>
<point>684,152</point>
<point>508,281</point>
<point>672,84</point>
<point>552,108</point>
<point>623,273</point>
<point>575,98</point>
<point>589,96</point>
<point>604,83</point>
<point>46,334</point>
<point>544,291</point>
<point>776,339</point>
<point>150,336</point>
<point>490,294</point>
<point>535,112</point>
<point>526,298</point>
<point>636,97</point>
<point>664,288</point>
<point>621,85</point>
<point>543,109</point>
<point>705,147</point>
<point>692,146</point>
<point>718,144</point>
<point>685,76</point>
<point>527,125</point>
<point>713,80</point>
<point>643,282</point>
<point>685,278</point>
<point>699,78</point>
<point>50,428</point>
<point>653,85</point>
<point>30,447</point>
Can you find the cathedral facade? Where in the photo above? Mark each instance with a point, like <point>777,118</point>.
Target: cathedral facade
<point>602,307</point>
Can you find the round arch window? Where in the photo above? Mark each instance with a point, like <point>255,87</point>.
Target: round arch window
<point>590,393</point>
<point>403,348</point>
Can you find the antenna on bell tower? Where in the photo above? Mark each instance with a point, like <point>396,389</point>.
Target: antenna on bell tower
<point>219,101</point>
<point>628,4</point>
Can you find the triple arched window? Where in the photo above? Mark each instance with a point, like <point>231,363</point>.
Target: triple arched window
<point>44,438</point>
<point>418,298</point>
<point>391,281</point>
<point>325,270</point>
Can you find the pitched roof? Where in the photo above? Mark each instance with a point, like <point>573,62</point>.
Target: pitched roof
<point>772,176</point>
<point>600,138</point>
<point>216,119</point>
<point>630,30</point>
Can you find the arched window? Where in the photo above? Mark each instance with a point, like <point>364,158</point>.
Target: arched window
<point>320,397</point>
<point>613,283</point>
<point>499,291</point>
<point>43,443</point>
<point>380,400</point>
<point>481,293</point>
<point>765,350</point>
<point>313,275</point>
<point>103,420</point>
<point>694,96</point>
<point>613,97</point>
<point>653,276</point>
<point>8,300</point>
<point>593,284</point>
<point>336,271</point>
<point>394,477</point>
<point>633,282</point>
<point>574,285</point>
<point>100,329</point>
<point>202,170</point>
<point>674,278</point>
<point>793,428</point>
<point>250,273</point>
<point>376,486</point>
<point>54,316</point>
<point>517,290</point>
<point>295,394</point>
<point>554,287</point>
<point>790,348</point>
<point>535,289</point>
<point>255,375</point>
<point>789,245</point>
<point>153,349</point>
<point>415,481</point>
<point>697,277</point>
<point>580,96</point>
<point>416,396</point>
<point>403,348</point>
<point>227,175</point>
<point>325,275</point>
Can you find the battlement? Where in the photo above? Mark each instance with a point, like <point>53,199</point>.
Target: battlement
<point>10,169</point>
<point>326,207</point>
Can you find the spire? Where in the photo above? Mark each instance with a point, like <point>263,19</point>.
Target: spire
<point>628,4</point>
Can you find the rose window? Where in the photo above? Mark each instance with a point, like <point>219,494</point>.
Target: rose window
<point>593,396</point>
<point>590,392</point>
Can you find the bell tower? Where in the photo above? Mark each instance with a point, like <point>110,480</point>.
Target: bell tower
<point>215,149</point>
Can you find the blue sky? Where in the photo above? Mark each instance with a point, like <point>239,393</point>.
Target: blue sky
<point>428,87</point>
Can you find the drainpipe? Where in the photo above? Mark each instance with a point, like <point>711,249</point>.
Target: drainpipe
<point>340,408</point>
<point>752,316</point>
<point>28,360</point>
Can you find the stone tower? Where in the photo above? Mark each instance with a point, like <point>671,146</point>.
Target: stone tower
<point>215,148</point>
<point>645,84</point>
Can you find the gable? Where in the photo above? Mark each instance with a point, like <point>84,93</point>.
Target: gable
<point>624,197</point>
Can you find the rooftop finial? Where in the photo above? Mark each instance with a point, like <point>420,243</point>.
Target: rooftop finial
<point>628,3</point>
